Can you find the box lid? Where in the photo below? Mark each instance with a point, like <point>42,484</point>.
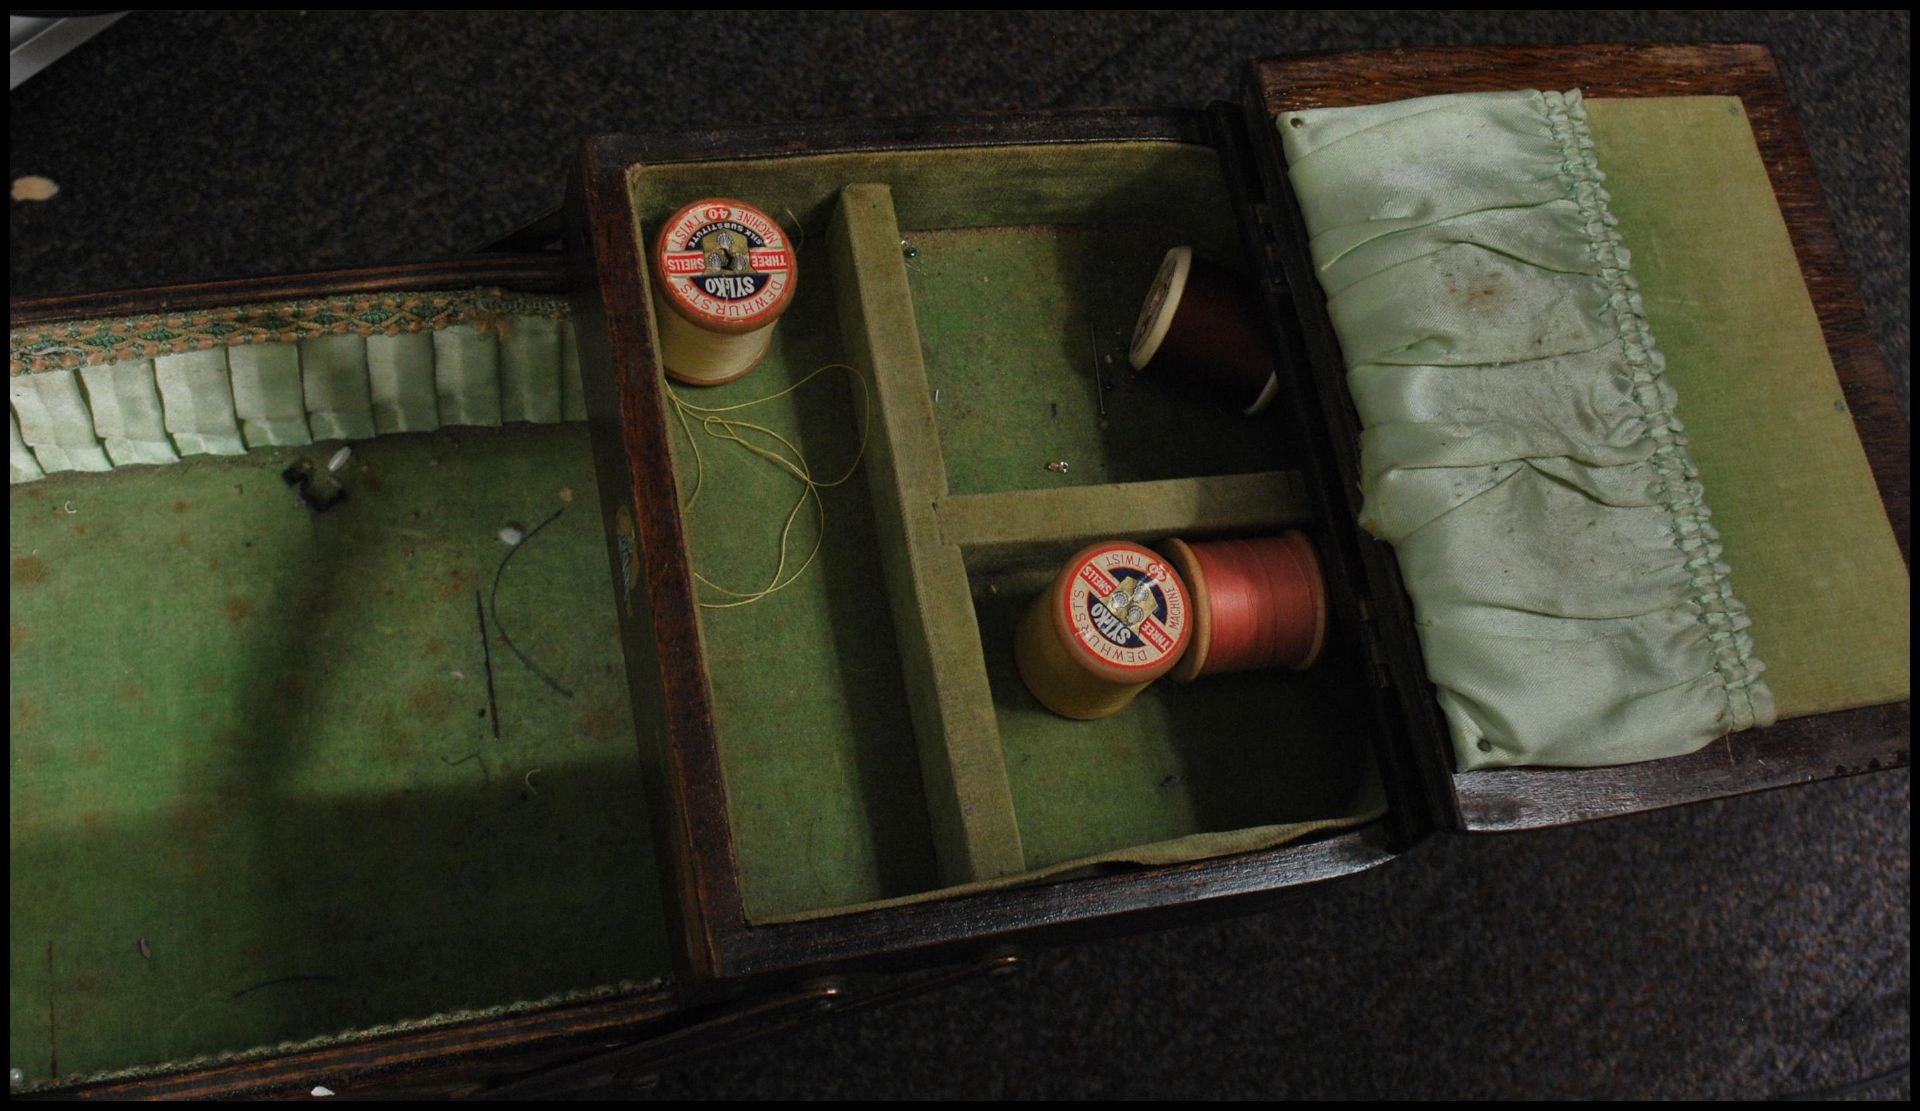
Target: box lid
<point>1838,722</point>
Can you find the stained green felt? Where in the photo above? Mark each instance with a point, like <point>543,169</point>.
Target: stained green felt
<point>811,687</point>
<point>1090,184</point>
<point>1813,556</point>
<point>1010,317</point>
<point>1226,752</point>
<point>823,784</point>
<point>254,793</point>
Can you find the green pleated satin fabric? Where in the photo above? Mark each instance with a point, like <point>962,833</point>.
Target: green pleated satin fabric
<point>1521,449</point>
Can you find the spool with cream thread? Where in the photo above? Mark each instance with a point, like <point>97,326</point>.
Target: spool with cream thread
<point>723,272</point>
<point>1114,619</point>
<point>1257,603</point>
<point>1200,325</point>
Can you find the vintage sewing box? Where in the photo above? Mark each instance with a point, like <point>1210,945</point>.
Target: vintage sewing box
<point>344,793</point>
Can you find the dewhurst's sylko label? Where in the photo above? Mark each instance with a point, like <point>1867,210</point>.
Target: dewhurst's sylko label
<point>1126,607</point>
<point>726,262</point>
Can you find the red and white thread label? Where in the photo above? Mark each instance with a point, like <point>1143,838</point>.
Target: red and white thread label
<point>1127,607</point>
<point>726,261</point>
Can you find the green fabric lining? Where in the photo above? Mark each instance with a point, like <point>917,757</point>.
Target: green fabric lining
<point>258,738</point>
<point>1013,356</point>
<point>21,465</point>
<point>225,398</point>
<point>334,377</point>
<point>530,367</point>
<point>267,396</point>
<point>56,423</point>
<point>70,344</point>
<point>127,413</point>
<point>1520,449</point>
<point>961,764</point>
<point>198,393</point>
<point>466,375</point>
<point>816,743</point>
<point>822,817</point>
<point>1142,184</point>
<point>1767,422</point>
<point>401,387</point>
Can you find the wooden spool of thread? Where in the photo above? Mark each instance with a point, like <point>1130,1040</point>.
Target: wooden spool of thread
<point>1256,603</point>
<point>723,272</point>
<point>1201,325</point>
<point>1116,618</point>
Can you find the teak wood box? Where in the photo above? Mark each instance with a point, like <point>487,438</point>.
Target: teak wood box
<point>752,950</point>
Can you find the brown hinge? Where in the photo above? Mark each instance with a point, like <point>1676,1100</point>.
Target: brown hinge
<point>1370,636</point>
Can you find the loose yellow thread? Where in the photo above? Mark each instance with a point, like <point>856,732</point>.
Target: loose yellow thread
<point>723,428</point>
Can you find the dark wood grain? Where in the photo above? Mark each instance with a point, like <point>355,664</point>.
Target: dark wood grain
<point>920,133</point>
<point>1799,751</point>
<point>1803,750</point>
<point>627,413</point>
<point>532,272</point>
<point>443,1061</point>
<point>1105,902</point>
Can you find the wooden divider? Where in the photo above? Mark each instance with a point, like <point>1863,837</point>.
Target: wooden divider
<point>930,539</point>
<point>961,762</point>
<point>992,528</point>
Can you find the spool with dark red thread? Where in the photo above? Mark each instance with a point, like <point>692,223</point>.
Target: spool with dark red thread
<point>1257,603</point>
<point>1201,325</point>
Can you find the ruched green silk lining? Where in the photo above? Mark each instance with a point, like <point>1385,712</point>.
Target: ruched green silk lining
<point>1520,448</point>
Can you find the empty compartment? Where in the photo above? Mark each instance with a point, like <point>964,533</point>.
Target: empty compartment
<point>256,792</point>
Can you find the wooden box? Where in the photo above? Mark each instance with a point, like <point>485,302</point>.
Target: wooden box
<point>1115,190</point>
<point>844,780</point>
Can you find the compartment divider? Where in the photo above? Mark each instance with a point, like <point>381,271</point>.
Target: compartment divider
<point>963,766</point>
<point>986,526</point>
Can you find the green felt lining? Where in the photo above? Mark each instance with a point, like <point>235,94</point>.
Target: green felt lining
<point>976,344</point>
<point>1015,321</point>
<point>975,834</point>
<point>1814,557</point>
<point>254,795</point>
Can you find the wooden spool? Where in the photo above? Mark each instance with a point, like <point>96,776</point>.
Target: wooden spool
<point>1116,618</point>
<point>1200,326</point>
<point>723,272</point>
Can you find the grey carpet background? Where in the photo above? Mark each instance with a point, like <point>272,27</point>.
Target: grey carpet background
<point>1746,948</point>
